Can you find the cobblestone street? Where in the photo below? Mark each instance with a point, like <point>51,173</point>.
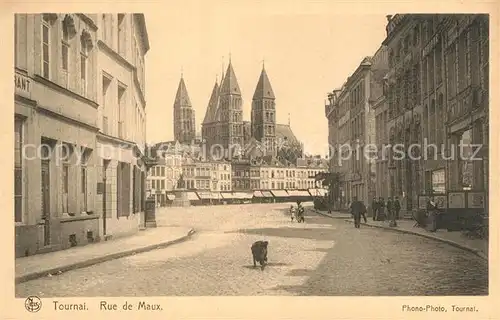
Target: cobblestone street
<point>323,256</point>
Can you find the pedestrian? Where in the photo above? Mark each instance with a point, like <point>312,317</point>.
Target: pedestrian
<point>374,208</point>
<point>432,212</point>
<point>397,207</point>
<point>381,208</point>
<point>357,209</point>
<point>390,208</point>
<point>292,212</point>
<point>300,212</point>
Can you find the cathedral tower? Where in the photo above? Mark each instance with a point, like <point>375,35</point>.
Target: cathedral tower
<point>230,112</point>
<point>263,115</point>
<point>184,115</point>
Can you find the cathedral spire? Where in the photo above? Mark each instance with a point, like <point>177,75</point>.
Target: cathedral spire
<point>230,84</point>
<point>263,89</point>
<point>210,115</point>
<point>182,97</point>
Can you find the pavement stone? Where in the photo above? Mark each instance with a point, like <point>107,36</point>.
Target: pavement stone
<point>454,238</point>
<point>48,264</point>
<point>321,257</point>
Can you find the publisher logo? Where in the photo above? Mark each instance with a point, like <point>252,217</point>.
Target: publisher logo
<point>33,304</point>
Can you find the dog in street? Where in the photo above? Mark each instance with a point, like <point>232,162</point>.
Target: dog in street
<point>259,253</point>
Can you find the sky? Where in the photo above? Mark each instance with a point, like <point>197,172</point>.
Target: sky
<point>306,56</point>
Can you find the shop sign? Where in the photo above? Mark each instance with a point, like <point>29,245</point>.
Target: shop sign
<point>23,85</point>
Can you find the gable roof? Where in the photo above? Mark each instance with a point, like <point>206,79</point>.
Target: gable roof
<point>263,89</point>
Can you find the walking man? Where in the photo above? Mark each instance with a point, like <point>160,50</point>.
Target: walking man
<point>390,208</point>
<point>397,207</point>
<point>358,209</point>
<point>374,208</point>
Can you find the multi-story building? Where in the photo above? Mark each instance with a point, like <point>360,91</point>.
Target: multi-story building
<point>163,177</point>
<point>353,116</point>
<point>438,74</point>
<point>221,176</point>
<point>240,174</point>
<point>197,174</point>
<point>380,108</point>
<point>379,162</point>
<point>68,59</point>
<point>122,43</point>
<point>56,111</point>
<point>184,116</point>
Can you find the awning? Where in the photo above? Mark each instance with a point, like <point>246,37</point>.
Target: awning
<point>246,195</point>
<point>242,195</point>
<point>227,195</point>
<point>192,196</point>
<point>204,195</point>
<point>298,193</point>
<point>318,192</point>
<point>267,194</point>
<point>279,193</point>
<point>216,196</point>
<point>170,196</point>
<point>257,194</point>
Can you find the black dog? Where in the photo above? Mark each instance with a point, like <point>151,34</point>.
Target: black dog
<point>259,253</point>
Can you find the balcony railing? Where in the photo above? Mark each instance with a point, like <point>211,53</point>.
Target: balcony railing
<point>464,102</point>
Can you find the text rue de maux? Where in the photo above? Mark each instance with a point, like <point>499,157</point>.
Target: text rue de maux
<point>106,306</point>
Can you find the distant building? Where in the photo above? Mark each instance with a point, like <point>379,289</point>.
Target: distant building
<point>184,116</point>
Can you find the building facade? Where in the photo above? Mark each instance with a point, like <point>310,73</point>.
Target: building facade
<point>240,174</point>
<point>438,75</point>
<point>184,116</point>
<point>122,43</point>
<point>66,134</point>
<point>352,119</point>
<point>163,177</point>
<point>221,176</point>
<point>380,162</point>
<point>55,125</point>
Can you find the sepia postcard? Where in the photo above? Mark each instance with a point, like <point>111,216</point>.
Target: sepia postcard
<point>242,160</point>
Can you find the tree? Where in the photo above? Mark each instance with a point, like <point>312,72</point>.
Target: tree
<point>332,181</point>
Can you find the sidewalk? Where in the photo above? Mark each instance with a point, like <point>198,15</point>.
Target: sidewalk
<point>454,238</point>
<point>36,266</point>
<point>334,214</point>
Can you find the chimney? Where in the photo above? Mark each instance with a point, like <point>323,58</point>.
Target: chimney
<point>389,16</point>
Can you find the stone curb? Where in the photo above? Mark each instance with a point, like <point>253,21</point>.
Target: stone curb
<point>93,261</point>
<point>477,252</point>
<point>330,216</point>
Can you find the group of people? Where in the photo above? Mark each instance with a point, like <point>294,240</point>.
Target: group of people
<point>358,210</point>
<point>297,213</point>
<point>393,207</point>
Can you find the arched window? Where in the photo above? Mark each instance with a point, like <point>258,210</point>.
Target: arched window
<point>85,48</point>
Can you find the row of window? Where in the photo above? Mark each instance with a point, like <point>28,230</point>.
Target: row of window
<point>68,41</point>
